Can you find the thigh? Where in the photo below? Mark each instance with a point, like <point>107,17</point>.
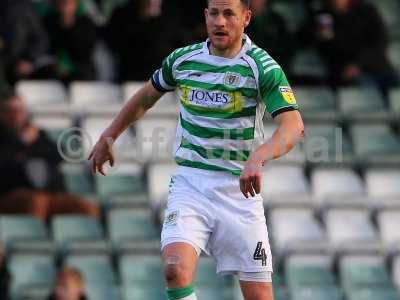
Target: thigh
<point>187,216</point>
<point>257,290</point>
<point>180,259</point>
<point>240,240</point>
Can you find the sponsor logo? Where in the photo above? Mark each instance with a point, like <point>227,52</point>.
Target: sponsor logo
<point>287,94</point>
<point>211,100</point>
<point>171,218</point>
<point>232,79</point>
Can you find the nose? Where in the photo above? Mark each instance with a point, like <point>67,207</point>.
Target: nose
<point>219,20</point>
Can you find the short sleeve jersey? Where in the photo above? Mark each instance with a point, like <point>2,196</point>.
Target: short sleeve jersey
<point>222,103</point>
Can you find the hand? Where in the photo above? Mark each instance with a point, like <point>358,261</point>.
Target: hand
<point>250,179</point>
<point>29,134</point>
<point>351,72</point>
<point>101,153</point>
<point>24,68</point>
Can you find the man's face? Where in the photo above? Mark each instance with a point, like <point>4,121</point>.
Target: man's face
<point>67,288</point>
<point>226,20</point>
<point>68,7</point>
<point>13,113</point>
<point>340,5</point>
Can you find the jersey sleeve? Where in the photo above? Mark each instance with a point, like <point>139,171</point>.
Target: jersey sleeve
<point>276,92</point>
<point>163,79</point>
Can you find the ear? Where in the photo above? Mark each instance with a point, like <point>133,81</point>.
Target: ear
<point>247,17</point>
<point>206,13</point>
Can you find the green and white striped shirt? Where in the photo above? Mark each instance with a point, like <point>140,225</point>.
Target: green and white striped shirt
<point>222,103</point>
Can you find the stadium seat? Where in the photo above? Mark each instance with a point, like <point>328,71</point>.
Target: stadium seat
<point>206,273</point>
<point>336,186</point>
<point>126,225</point>
<point>394,100</point>
<point>375,143</point>
<point>317,293</point>
<point>95,97</point>
<point>91,130</point>
<point>308,63</point>
<point>21,227</point>
<point>55,126</point>
<point>123,179</point>
<point>316,103</point>
<point>30,271</point>
<point>141,269</point>
<point>326,143</point>
<point>296,229</point>
<point>394,54</point>
<point>129,201</point>
<point>213,292</point>
<point>96,269</point>
<point>389,224</point>
<point>309,270</point>
<point>373,293</point>
<point>158,178</point>
<point>77,179</point>
<point>75,228</point>
<point>358,271</point>
<point>396,270</point>
<point>383,186</point>
<point>361,104</point>
<point>278,187</point>
<point>139,291</point>
<point>351,229</point>
<point>155,139</point>
<point>98,291</point>
<point>43,97</point>
<point>383,182</point>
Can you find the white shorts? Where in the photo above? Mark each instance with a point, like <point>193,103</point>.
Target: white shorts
<point>207,210</point>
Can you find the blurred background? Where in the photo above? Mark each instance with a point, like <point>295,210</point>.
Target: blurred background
<point>332,204</point>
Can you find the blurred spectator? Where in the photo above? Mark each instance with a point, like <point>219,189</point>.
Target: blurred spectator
<point>269,31</point>
<point>25,43</point>
<point>29,164</point>
<point>69,285</point>
<point>352,38</point>
<point>4,275</point>
<point>72,39</point>
<point>140,36</point>
<point>190,14</point>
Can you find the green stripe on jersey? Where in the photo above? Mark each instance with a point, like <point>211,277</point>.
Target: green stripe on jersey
<point>247,92</point>
<point>206,112</point>
<point>197,66</point>
<point>199,165</point>
<point>216,153</point>
<point>207,133</point>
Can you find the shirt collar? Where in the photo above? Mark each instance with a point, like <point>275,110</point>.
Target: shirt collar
<point>247,43</point>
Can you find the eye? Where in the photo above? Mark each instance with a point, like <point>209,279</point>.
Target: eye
<point>228,13</point>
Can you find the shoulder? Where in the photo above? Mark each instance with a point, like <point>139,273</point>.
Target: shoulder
<point>183,52</point>
<point>265,63</point>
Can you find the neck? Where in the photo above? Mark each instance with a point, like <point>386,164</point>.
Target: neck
<point>227,53</point>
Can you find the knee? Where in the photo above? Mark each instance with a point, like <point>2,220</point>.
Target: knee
<point>176,275</point>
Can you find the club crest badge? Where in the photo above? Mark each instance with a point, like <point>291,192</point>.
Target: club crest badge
<point>232,79</point>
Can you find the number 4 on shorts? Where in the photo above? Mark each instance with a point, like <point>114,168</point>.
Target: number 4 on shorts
<point>259,254</point>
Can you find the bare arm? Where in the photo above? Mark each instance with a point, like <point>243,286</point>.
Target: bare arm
<point>289,132</point>
<point>132,111</point>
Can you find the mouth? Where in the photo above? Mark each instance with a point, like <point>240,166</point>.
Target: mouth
<point>220,33</point>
